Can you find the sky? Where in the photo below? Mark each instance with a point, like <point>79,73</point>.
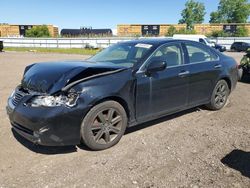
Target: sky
<point>95,13</point>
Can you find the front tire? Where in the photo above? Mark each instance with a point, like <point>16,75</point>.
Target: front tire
<point>104,125</point>
<point>219,96</point>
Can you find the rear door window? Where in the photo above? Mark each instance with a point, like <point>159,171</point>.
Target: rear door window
<point>198,54</point>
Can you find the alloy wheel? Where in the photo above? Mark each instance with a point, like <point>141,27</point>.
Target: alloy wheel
<point>221,95</point>
<point>106,126</point>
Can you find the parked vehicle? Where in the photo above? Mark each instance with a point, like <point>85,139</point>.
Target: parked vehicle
<point>220,48</point>
<point>1,46</point>
<point>198,38</point>
<point>244,67</point>
<point>202,39</point>
<point>129,83</point>
<point>240,46</point>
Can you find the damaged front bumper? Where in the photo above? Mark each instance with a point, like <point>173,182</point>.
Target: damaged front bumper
<point>50,126</point>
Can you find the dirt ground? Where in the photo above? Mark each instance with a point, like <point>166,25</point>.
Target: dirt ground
<point>195,148</point>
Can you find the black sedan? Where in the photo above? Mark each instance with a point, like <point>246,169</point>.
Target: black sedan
<point>94,101</point>
<point>1,46</point>
<point>240,46</point>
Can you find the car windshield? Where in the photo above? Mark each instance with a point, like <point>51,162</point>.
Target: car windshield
<point>208,41</point>
<point>124,54</point>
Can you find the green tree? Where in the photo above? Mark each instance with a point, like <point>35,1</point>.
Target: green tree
<point>231,11</point>
<point>220,34</point>
<point>38,31</point>
<point>214,17</point>
<point>241,32</point>
<point>186,31</point>
<point>171,31</point>
<point>193,13</point>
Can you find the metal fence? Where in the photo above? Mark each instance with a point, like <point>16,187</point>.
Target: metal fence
<point>91,42</point>
<point>61,42</point>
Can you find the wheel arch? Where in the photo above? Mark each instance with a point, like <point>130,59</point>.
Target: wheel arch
<point>229,83</point>
<point>118,99</point>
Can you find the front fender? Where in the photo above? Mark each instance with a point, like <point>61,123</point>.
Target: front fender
<point>120,86</point>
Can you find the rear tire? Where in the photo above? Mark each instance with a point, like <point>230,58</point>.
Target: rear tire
<point>104,125</point>
<point>219,96</point>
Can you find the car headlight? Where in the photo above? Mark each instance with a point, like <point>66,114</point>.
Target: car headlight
<point>53,101</point>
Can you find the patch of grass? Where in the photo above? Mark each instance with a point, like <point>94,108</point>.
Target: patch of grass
<point>81,51</point>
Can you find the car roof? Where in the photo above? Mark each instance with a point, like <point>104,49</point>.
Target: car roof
<point>241,42</point>
<point>153,41</point>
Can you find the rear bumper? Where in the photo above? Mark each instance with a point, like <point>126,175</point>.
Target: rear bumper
<point>57,126</point>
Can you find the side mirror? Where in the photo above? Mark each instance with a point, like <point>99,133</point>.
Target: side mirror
<point>155,66</point>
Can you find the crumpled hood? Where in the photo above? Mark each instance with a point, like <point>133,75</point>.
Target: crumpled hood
<point>53,76</point>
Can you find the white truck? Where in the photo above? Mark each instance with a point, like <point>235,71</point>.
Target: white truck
<point>199,38</point>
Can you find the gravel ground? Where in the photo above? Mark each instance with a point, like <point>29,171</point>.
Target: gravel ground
<point>195,148</point>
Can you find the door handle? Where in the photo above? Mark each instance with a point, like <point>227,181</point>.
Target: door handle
<point>184,73</point>
<point>217,66</point>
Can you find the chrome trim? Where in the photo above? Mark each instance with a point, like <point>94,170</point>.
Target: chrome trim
<point>183,73</point>
<point>17,97</point>
<point>217,66</point>
<point>203,62</point>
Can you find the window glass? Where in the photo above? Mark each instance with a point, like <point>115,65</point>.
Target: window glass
<point>117,54</point>
<point>171,54</point>
<point>202,41</point>
<point>124,54</point>
<point>140,53</point>
<point>198,54</point>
